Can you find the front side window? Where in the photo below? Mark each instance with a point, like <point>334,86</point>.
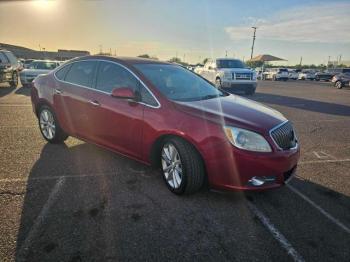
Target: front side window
<point>111,76</point>
<point>177,83</point>
<point>81,73</point>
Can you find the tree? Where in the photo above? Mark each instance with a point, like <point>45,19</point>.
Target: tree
<point>144,56</point>
<point>175,60</point>
<point>205,60</point>
<point>148,56</point>
<point>254,64</point>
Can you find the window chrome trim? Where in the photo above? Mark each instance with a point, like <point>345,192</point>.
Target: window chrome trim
<point>278,147</point>
<point>107,93</point>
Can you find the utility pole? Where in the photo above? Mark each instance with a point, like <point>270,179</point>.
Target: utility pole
<point>251,55</point>
<point>226,54</point>
<point>339,60</point>
<point>329,59</point>
<point>301,61</point>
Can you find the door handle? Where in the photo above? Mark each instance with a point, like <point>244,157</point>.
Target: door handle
<point>58,91</point>
<point>94,102</point>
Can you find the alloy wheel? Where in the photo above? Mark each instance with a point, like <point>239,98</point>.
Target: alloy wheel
<point>172,166</point>
<point>47,124</point>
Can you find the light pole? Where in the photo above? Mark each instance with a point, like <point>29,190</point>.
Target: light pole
<point>251,55</point>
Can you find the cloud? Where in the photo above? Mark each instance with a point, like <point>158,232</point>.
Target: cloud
<point>324,23</point>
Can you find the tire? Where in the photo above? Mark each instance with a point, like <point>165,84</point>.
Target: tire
<point>218,82</point>
<point>49,126</point>
<point>187,175</point>
<point>338,84</point>
<point>14,81</point>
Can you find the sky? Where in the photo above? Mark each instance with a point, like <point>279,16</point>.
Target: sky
<point>189,29</point>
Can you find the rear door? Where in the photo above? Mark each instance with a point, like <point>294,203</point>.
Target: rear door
<point>71,97</point>
<point>118,123</point>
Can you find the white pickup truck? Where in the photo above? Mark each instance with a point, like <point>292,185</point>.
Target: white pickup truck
<point>230,75</point>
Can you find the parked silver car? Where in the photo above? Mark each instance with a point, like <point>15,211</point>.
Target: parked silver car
<point>35,68</point>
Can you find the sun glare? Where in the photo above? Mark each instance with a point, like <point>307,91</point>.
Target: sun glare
<point>43,4</point>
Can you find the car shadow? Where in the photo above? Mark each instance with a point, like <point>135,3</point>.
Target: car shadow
<point>302,103</point>
<point>5,90</point>
<point>23,91</point>
<point>83,203</point>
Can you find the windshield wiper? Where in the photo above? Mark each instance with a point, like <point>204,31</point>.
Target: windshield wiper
<point>209,96</point>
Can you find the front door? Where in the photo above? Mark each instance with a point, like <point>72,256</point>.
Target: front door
<point>117,122</point>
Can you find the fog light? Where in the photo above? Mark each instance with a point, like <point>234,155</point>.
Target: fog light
<point>259,181</point>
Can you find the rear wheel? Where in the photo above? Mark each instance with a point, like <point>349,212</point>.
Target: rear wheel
<point>49,126</point>
<point>14,81</point>
<point>339,84</point>
<point>182,167</point>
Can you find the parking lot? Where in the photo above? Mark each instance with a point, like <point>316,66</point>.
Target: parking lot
<point>78,202</point>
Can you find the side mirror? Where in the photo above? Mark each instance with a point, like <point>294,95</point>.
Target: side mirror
<point>124,93</point>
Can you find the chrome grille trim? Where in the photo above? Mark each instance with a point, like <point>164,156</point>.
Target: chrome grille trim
<point>280,135</point>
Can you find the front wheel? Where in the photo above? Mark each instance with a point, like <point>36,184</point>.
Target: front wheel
<point>339,84</point>
<point>49,126</point>
<point>182,167</point>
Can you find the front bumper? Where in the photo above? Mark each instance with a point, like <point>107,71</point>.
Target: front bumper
<point>232,86</point>
<point>235,169</point>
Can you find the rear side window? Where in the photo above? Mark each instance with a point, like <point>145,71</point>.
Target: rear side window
<point>81,73</point>
<point>112,76</point>
<point>60,74</point>
<point>11,58</point>
<point>3,58</point>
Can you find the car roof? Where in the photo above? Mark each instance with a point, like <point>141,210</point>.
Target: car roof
<point>122,60</point>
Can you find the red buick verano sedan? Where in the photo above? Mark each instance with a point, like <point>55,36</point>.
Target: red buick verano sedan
<point>162,114</point>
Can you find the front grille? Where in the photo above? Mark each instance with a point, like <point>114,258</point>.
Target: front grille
<point>284,136</point>
<point>242,76</point>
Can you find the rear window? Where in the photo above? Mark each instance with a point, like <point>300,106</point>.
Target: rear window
<point>43,65</point>
<point>283,70</point>
<point>346,70</point>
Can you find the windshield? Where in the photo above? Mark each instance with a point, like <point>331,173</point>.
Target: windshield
<point>177,83</point>
<point>43,65</point>
<point>226,63</point>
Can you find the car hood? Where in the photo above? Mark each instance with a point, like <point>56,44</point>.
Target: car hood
<point>234,111</point>
<point>34,71</point>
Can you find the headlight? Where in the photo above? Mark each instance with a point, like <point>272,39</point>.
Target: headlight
<point>247,140</point>
<point>254,76</point>
<point>227,75</point>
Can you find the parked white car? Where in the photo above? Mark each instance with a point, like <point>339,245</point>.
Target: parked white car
<point>275,74</point>
<point>230,74</point>
<point>35,68</point>
<point>306,75</point>
<point>292,74</point>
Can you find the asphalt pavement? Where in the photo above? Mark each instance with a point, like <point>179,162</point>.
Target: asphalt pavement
<point>78,202</point>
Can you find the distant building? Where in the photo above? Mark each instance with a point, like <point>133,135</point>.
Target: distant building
<point>342,62</point>
<point>27,53</point>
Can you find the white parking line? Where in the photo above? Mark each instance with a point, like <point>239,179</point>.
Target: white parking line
<point>275,233</point>
<point>39,221</point>
<point>324,161</point>
<point>323,155</point>
<point>325,213</point>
